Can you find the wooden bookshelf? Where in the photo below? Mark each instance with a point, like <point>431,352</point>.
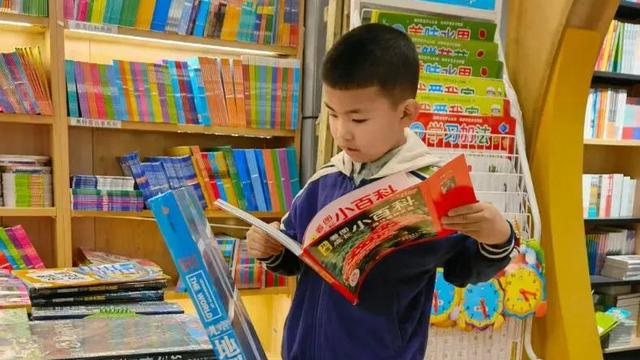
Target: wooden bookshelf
<point>613,221</point>
<point>27,212</point>
<point>633,345</point>
<point>612,78</point>
<point>181,129</point>
<point>148,215</point>
<point>24,22</point>
<point>628,11</point>
<point>603,142</point>
<point>599,281</point>
<point>121,34</point>
<point>26,119</point>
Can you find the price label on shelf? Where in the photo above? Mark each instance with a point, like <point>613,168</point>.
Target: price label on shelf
<point>85,26</point>
<point>97,123</point>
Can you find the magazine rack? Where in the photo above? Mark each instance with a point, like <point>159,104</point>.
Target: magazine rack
<point>520,205</point>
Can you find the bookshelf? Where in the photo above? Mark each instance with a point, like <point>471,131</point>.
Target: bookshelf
<point>602,142</point>
<point>599,281</point>
<point>612,221</point>
<point>628,10</point>
<point>617,79</point>
<point>78,146</point>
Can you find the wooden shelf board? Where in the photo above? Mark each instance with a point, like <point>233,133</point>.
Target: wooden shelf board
<point>149,38</point>
<point>147,214</point>
<point>26,119</point>
<point>612,221</point>
<point>599,280</point>
<point>186,129</point>
<point>628,11</point>
<point>633,345</point>
<point>23,22</point>
<point>614,78</point>
<point>27,212</point>
<point>602,142</point>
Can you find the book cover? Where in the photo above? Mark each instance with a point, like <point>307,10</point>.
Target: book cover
<point>72,92</point>
<point>217,175</point>
<point>200,263</point>
<point>145,14</point>
<point>263,178</point>
<point>270,177</point>
<point>461,85</point>
<point>81,311</point>
<point>430,64</point>
<point>20,239</point>
<point>13,292</point>
<point>464,49</point>
<point>160,13</point>
<point>283,164</point>
<point>233,174</point>
<point>256,181</point>
<point>343,242</point>
<point>460,104</point>
<point>110,297</point>
<point>434,25</point>
<point>294,173</point>
<point>201,18</point>
<point>238,85</point>
<point>244,175</point>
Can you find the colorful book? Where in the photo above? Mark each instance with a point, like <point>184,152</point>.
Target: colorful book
<point>459,104</point>
<point>461,85</point>
<point>256,180</point>
<point>82,311</point>
<point>430,64</point>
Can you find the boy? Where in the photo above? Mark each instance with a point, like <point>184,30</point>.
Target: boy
<point>370,81</point>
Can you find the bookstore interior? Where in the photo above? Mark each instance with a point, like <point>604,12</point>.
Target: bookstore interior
<point>187,179</point>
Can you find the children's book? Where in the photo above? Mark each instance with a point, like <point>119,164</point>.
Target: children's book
<point>461,85</point>
<point>346,239</point>
<point>82,311</point>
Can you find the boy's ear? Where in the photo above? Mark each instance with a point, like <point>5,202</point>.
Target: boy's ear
<point>409,111</point>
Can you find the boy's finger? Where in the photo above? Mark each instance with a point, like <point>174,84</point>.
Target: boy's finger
<point>466,209</point>
<point>464,219</point>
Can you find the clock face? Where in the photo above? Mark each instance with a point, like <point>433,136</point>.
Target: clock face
<point>482,303</point>
<point>444,296</point>
<point>523,291</point>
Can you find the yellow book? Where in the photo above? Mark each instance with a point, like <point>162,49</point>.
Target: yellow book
<point>231,20</point>
<point>221,162</point>
<point>155,95</point>
<point>145,14</point>
<point>97,15</point>
<point>126,71</point>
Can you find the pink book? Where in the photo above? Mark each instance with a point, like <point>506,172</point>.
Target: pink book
<point>143,109</point>
<point>68,9</point>
<point>23,244</point>
<point>83,7</point>
<point>97,86</point>
<point>284,174</point>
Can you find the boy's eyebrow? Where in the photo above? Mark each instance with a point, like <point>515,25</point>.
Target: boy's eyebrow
<point>353,111</point>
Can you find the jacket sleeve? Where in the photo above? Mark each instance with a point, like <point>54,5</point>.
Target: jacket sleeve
<point>475,262</point>
<point>286,263</point>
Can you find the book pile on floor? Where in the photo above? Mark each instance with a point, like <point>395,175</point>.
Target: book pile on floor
<point>26,181</point>
<point>623,267</point>
<point>105,193</point>
<point>621,297</point>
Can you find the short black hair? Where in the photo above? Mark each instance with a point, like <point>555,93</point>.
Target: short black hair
<point>374,55</point>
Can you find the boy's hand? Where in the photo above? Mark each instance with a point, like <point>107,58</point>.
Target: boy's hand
<point>481,221</point>
<point>261,245</point>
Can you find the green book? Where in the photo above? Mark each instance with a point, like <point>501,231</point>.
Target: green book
<point>233,173</point>
<point>106,91</point>
<point>278,178</point>
<point>461,49</point>
<point>90,10</point>
<point>130,8</point>
<point>432,25</point>
<point>460,104</point>
<point>461,85</point>
<point>253,94</point>
<point>463,67</point>
<point>11,249</point>
<point>171,101</point>
<point>268,93</point>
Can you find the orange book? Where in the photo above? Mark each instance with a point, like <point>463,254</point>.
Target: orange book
<point>127,89</point>
<point>91,90</point>
<point>271,179</point>
<point>229,93</point>
<point>602,113</point>
<point>238,81</point>
<point>208,78</point>
<point>219,93</point>
<point>145,14</point>
<point>200,169</point>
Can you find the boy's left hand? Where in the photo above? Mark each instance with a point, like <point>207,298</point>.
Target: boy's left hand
<point>481,221</point>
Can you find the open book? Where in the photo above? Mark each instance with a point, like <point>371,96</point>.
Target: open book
<point>345,240</point>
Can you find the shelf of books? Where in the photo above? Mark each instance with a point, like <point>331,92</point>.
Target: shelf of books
<point>25,22</point>
<point>146,214</point>
<point>26,119</point>
<point>610,200</point>
<point>27,212</point>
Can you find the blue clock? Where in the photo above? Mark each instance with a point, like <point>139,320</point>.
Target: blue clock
<point>482,305</point>
<point>446,298</point>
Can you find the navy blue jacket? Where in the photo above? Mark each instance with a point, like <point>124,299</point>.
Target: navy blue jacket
<point>392,319</point>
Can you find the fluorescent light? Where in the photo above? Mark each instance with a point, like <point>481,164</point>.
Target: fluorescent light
<point>15,23</point>
<point>239,50</point>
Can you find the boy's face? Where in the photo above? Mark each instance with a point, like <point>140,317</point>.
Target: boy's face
<point>365,124</point>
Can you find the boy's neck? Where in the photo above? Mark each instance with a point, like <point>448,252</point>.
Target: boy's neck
<point>366,170</point>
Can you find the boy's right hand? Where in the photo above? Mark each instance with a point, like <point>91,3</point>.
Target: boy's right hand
<point>261,245</point>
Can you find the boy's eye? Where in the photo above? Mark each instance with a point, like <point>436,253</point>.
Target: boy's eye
<point>359,121</point>
<point>331,115</point>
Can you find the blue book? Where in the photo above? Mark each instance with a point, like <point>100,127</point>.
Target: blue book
<point>245,179</point>
<point>263,178</point>
<point>203,270</point>
<point>72,92</point>
<point>117,11</point>
<point>195,77</point>
<point>156,177</point>
<point>183,25</point>
<point>160,14</point>
<point>169,170</point>
<point>256,181</point>
<point>295,98</point>
<point>246,21</point>
<point>294,173</point>
<point>131,166</point>
<point>216,174</point>
<point>117,95</point>
<point>201,18</point>
<point>177,93</point>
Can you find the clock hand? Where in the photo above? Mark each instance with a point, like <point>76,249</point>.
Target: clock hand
<point>483,307</point>
<point>524,294</point>
<point>435,302</point>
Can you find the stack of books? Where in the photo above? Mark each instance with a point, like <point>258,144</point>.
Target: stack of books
<point>252,179</point>
<point>609,196</point>
<point>623,267</point>
<point>621,49</point>
<point>105,193</point>
<point>13,292</point>
<point>23,83</point>
<point>26,7</point>
<point>623,298</point>
<point>26,181</point>
<point>612,114</point>
<point>605,242</point>
<point>248,92</point>
<point>271,22</point>
<point>17,251</point>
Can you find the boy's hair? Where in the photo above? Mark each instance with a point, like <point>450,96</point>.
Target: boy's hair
<point>374,55</point>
